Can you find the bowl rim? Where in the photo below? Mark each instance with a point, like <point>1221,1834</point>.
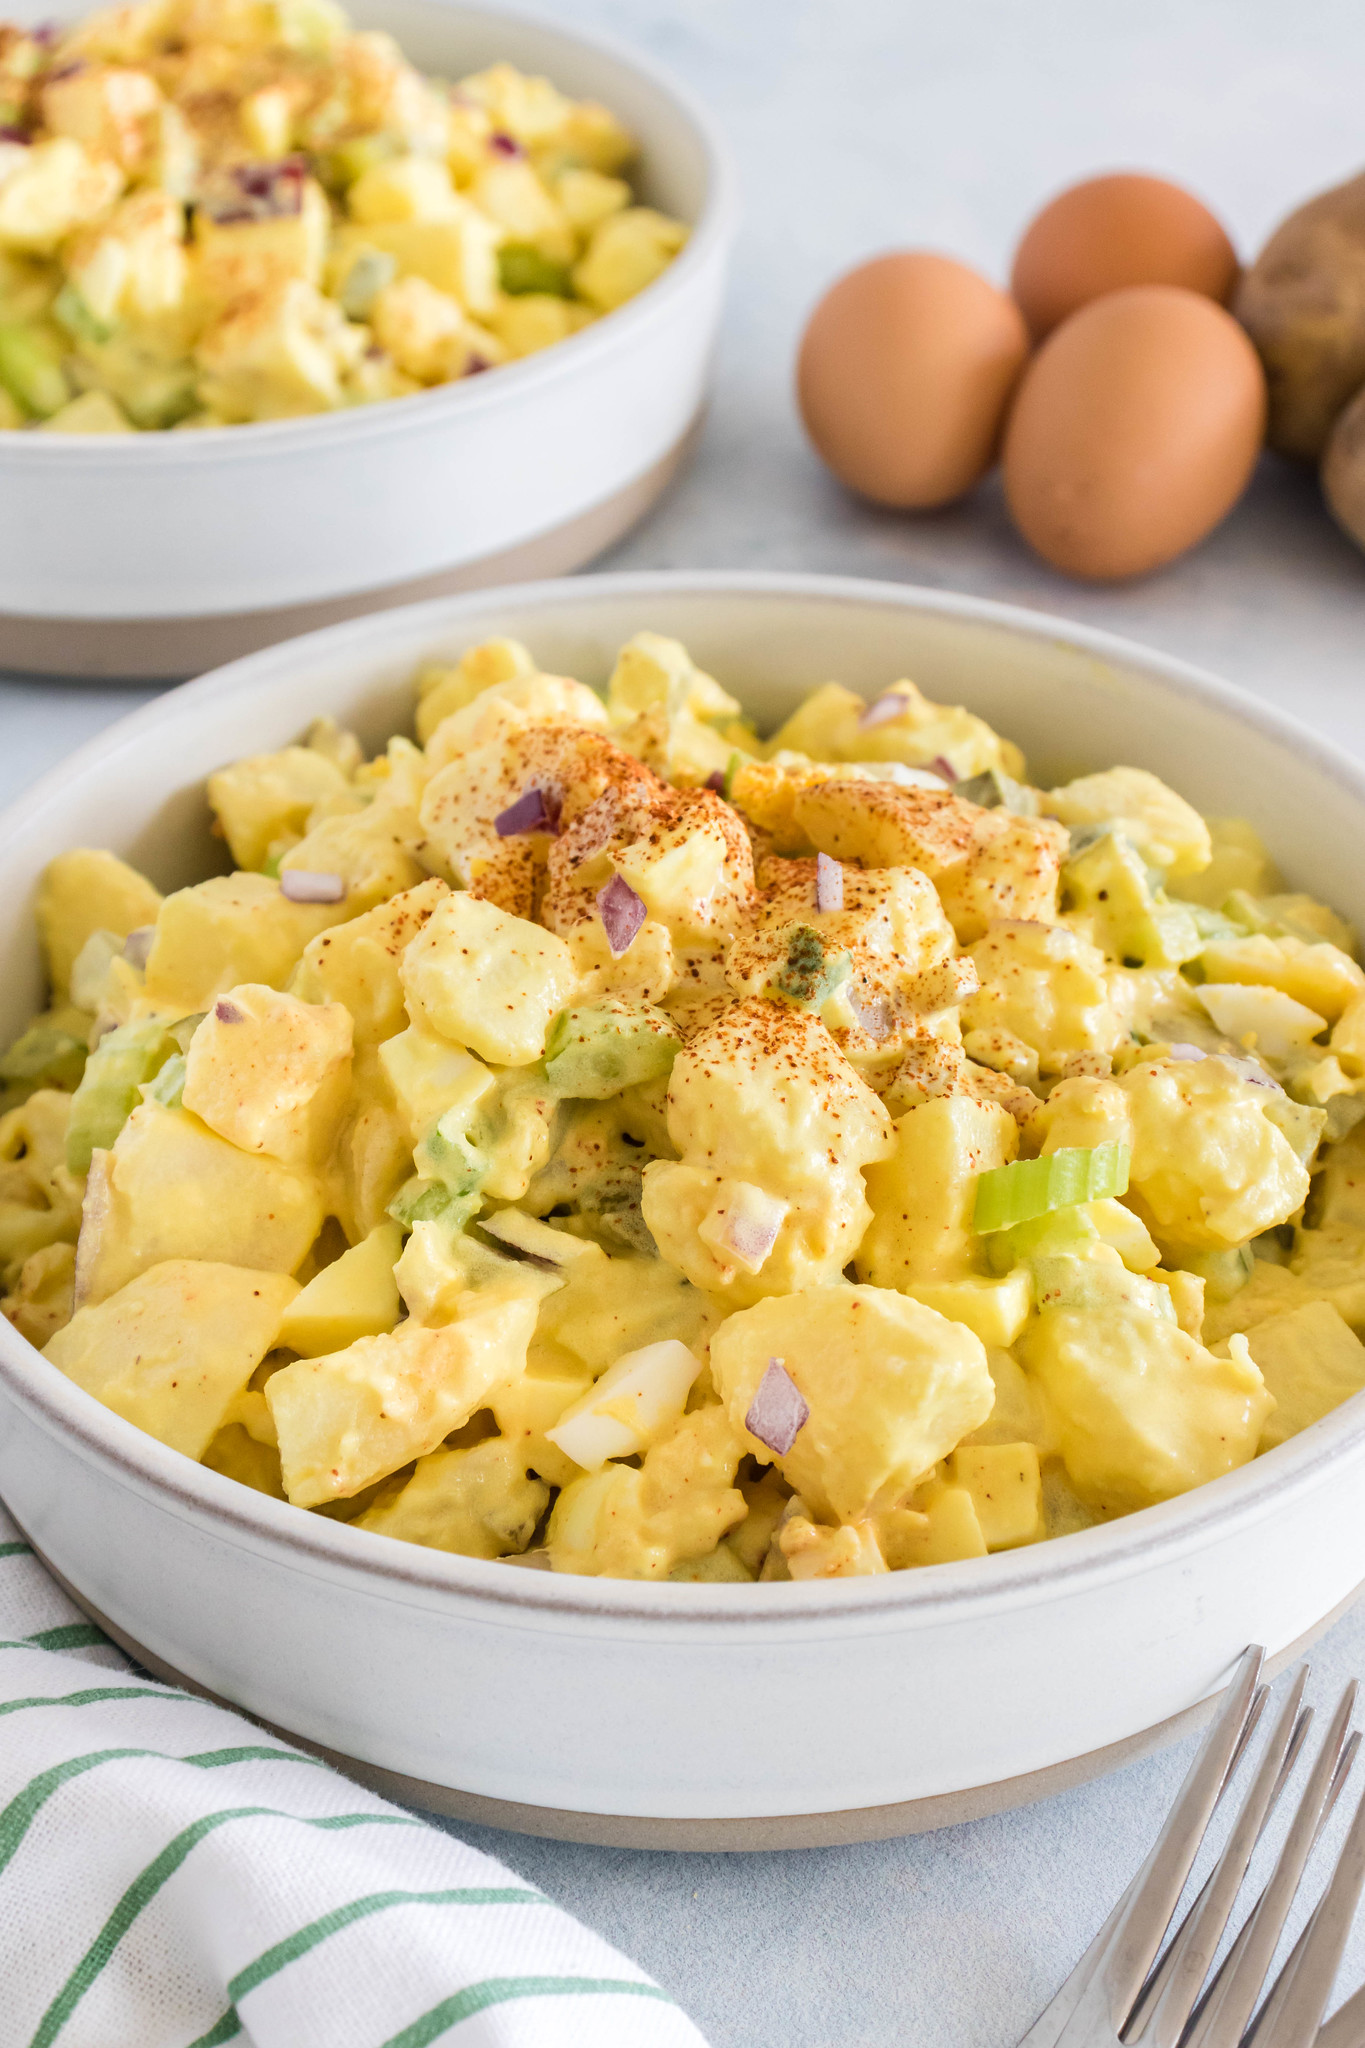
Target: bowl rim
<point>972,1588</point>
<point>419,412</point>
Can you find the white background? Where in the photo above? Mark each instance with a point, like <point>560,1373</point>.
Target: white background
<point>860,125</point>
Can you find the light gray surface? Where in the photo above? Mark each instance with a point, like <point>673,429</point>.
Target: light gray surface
<point>862,124</point>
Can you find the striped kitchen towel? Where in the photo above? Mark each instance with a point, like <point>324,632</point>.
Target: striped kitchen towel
<point>171,1877</point>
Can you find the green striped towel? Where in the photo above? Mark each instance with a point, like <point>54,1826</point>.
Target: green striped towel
<point>172,1877</point>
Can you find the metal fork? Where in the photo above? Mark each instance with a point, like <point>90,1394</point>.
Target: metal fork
<point>1119,1993</point>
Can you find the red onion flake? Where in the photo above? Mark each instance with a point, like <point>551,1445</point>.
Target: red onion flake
<point>829,883</point>
<point>891,704</point>
<point>137,946</point>
<point>228,1013</point>
<point>505,145</point>
<point>750,1240</point>
<point>306,885</point>
<point>535,810</point>
<point>941,765</point>
<point>1180,1051</point>
<point>778,1411</point>
<point>623,912</point>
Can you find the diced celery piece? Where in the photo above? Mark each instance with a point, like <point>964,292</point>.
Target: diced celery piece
<point>364,281</point>
<point>31,371</point>
<point>1299,1122</point>
<point>598,1049</point>
<point>184,1028</point>
<point>1012,1194</point>
<point>421,1200</point>
<point>70,310</point>
<point>522,268</point>
<point>1056,1232</point>
<point>168,1086</point>
<point>110,1087</point>
<point>995,791</point>
<point>446,1155</point>
<point>44,1054</point>
<point>732,768</point>
<point>1223,1273</point>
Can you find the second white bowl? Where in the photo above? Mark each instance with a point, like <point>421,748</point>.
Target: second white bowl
<point>161,554</point>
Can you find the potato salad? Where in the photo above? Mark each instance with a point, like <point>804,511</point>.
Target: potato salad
<point>595,1137</point>
<point>220,211</point>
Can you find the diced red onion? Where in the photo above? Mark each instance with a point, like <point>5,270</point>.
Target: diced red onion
<point>829,883</point>
<point>716,780</point>
<point>941,765</point>
<point>875,1017</point>
<point>228,1013</point>
<point>623,912</point>
<point>891,704</point>
<point>476,365</point>
<point>249,192</point>
<point>749,1239</point>
<point>593,828</point>
<point>67,70</point>
<point>138,945</point>
<point>535,810</point>
<point>778,1411</point>
<point>1180,1051</point>
<point>505,145</point>
<point>46,32</point>
<point>9,134</point>
<point>306,885</point>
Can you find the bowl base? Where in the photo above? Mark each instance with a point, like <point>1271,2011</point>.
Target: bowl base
<point>749,1833</point>
<point>169,649</point>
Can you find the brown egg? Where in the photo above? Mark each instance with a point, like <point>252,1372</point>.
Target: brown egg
<point>1114,231</point>
<point>1135,431</point>
<point>905,370</point>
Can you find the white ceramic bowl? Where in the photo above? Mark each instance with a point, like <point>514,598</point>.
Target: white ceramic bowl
<point>715,1715</point>
<point>163,553</point>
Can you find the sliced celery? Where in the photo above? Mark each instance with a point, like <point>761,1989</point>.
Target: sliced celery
<point>110,1086</point>
<point>522,268</point>
<point>31,370</point>
<point>1007,1195</point>
<point>71,311</point>
<point>168,1086</point>
<point>598,1049</point>
<point>1097,1288</point>
<point>44,1055</point>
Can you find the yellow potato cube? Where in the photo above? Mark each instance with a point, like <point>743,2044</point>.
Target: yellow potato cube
<point>588,198</point>
<point>1311,1362</point>
<point>237,259</point>
<point>353,1416</point>
<point>403,188</point>
<point>1167,832</point>
<point>1046,985</point>
<point>924,1195</point>
<point>1209,1167</point>
<point>996,1310</point>
<point>891,1388</point>
<point>1143,1412</point>
<point>458,255</point>
<point>279,353</point>
<point>358,963</point>
<point>266,797</point>
<point>1239,861</point>
<point>56,189</point>
<point>1006,1487</point>
<point>429,1077</point>
<point>486,980</point>
<point>171,1189</point>
<point>1320,976</point>
<point>270,1073</point>
<point>623,1523</point>
<point>479,1502</point>
<point>104,107</point>
<point>172,1349</point>
<point>941,1528</point>
<point>85,891</point>
<point>627,252</point>
<point>133,266</point>
<point>509,191</point>
<point>232,929</point>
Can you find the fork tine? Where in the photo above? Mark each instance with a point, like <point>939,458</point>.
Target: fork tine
<point>1101,1990</point>
<point>1234,1993</point>
<point>1160,1975</point>
<point>1048,2026</point>
<point>1190,1955</point>
<point>1346,2028</point>
<point>1306,2000</point>
<point>1280,1990</point>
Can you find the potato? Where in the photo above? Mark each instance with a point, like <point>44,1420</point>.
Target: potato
<point>1343,470</point>
<point>1303,304</point>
